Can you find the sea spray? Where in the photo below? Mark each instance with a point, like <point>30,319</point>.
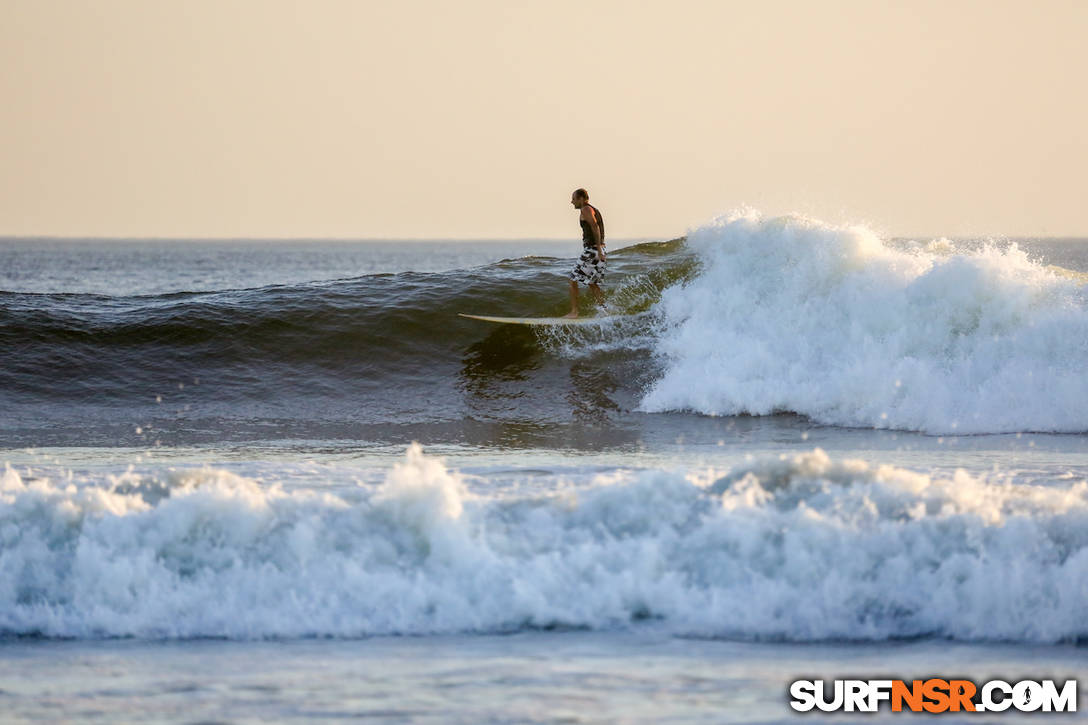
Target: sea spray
<point>798,547</point>
<point>790,314</point>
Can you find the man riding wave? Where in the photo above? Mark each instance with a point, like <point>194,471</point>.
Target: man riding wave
<point>589,270</point>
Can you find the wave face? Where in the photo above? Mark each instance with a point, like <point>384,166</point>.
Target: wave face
<point>802,548</point>
<point>789,314</point>
<point>321,359</point>
<point>749,316</point>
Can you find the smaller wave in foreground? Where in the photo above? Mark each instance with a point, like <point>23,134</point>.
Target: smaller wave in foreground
<point>800,549</point>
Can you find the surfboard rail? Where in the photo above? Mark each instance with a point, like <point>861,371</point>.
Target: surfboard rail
<point>534,321</point>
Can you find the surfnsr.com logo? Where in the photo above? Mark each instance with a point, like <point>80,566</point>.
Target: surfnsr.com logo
<point>933,695</point>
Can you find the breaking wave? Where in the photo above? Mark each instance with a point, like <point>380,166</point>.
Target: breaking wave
<point>798,548</point>
<point>790,314</point>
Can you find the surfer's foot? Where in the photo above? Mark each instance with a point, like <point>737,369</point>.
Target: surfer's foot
<point>571,315</point>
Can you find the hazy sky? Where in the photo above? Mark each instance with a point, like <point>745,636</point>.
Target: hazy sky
<point>477,119</point>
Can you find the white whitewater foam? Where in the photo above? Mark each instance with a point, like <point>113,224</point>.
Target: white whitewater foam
<point>801,548</point>
<point>790,314</point>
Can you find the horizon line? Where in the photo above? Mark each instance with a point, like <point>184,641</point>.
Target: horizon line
<point>131,238</point>
<point>68,237</point>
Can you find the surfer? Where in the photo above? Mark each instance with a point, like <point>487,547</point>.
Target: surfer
<point>589,270</point>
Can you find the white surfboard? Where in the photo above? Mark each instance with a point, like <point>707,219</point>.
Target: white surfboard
<point>537,320</point>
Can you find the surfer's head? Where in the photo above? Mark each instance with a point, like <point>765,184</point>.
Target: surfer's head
<point>579,198</point>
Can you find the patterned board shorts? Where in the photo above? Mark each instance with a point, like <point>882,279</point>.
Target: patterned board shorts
<point>588,270</point>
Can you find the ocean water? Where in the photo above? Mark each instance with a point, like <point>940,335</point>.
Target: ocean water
<point>274,481</point>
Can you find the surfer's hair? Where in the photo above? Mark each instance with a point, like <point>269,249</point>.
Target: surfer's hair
<point>582,194</point>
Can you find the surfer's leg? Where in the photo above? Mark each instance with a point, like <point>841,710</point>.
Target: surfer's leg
<point>597,293</point>
<point>573,300</point>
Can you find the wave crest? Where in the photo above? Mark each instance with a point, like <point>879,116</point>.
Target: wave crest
<point>798,548</point>
<point>790,314</point>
